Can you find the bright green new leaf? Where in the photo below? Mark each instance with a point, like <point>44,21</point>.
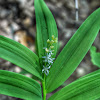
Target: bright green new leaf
<point>16,85</point>
<point>19,55</point>
<point>95,56</point>
<point>46,26</point>
<point>85,88</point>
<point>73,53</point>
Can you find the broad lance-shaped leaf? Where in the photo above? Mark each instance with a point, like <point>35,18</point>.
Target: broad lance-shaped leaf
<point>85,88</point>
<point>46,26</point>
<point>51,24</point>
<point>19,55</point>
<point>95,56</point>
<point>74,51</point>
<point>20,86</point>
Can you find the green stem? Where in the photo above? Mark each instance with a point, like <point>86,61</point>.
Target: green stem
<point>43,87</point>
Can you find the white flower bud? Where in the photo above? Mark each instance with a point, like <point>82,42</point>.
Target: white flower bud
<point>47,50</point>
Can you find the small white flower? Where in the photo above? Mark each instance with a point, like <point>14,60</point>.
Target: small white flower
<point>50,61</point>
<point>51,53</point>
<point>46,69</point>
<point>48,58</point>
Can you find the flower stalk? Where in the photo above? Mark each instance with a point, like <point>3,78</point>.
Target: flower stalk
<point>48,61</point>
<point>43,87</point>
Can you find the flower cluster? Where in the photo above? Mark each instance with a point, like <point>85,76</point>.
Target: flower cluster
<point>48,59</point>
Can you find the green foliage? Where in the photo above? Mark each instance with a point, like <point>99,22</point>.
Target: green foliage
<point>95,56</point>
<point>13,84</point>
<point>85,88</point>
<point>74,51</point>
<point>46,27</point>
<point>16,85</point>
<point>19,55</point>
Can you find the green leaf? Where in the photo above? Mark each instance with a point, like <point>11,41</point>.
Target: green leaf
<point>85,88</point>
<point>46,26</point>
<point>73,53</point>
<point>16,85</point>
<point>95,56</point>
<point>19,55</point>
